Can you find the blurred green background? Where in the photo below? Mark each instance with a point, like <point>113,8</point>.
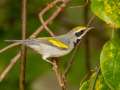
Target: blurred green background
<point>39,74</point>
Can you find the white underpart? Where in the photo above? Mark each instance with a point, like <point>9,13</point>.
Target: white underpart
<point>49,51</point>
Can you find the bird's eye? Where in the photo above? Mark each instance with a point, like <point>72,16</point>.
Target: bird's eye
<point>79,33</point>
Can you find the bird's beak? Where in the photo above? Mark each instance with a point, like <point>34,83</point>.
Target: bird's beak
<point>90,28</point>
<point>85,32</point>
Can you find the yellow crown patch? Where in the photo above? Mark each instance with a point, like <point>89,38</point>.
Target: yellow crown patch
<point>79,28</point>
<point>58,43</point>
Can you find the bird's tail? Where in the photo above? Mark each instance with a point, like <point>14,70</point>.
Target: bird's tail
<point>25,42</point>
<point>17,41</point>
<point>14,40</point>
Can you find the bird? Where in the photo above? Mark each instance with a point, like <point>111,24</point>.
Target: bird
<point>57,46</point>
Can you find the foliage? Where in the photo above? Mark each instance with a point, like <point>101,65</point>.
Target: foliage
<point>110,64</point>
<point>107,10</point>
<point>109,79</point>
<point>96,83</point>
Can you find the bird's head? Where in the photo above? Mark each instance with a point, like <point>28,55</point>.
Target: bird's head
<point>78,32</point>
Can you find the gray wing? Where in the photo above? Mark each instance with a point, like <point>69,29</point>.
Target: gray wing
<point>38,41</point>
<point>30,41</point>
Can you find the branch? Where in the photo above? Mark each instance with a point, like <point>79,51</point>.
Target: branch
<point>53,16</point>
<point>10,66</point>
<point>80,6</point>
<point>97,74</point>
<point>23,48</point>
<point>90,21</point>
<point>9,46</point>
<point>58,74</point>
<point>15,59</point>
<point>43,12</point>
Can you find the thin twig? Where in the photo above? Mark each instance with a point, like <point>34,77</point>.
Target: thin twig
<point>23,48</point>
<point>10,66</point>
<point>84,78</point>
<point>15,59</point>
<point>9,46</point>
<point>58,74</point>
<point>53,16</point>
<point>97,74</point>
<point>70,62</point>
<point>91,20</point>
<point>80,6</point>
<point>43,12</point>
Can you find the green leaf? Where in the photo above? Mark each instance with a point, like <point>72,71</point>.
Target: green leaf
<point>87,85</point>
<point>107,10</point>
<point>99,83</point>
<point>84,86</point>
<point>110,64</point>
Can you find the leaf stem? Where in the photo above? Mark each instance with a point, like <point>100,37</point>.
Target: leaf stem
<point>113,33</point>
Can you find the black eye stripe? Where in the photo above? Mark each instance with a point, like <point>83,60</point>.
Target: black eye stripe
<point>79,33</point>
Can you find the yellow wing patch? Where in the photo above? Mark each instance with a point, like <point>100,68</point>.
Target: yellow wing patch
<point>58,43</point>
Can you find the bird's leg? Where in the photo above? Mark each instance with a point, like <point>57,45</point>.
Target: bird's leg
<point>52,63</point>
<point>49,61</point>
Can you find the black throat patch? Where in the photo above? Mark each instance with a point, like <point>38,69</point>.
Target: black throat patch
<point>77,41</point>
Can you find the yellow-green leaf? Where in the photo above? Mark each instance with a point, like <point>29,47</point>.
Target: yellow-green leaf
<point>108,11</point>
<point>110,64</point>
<point>91,84</point>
